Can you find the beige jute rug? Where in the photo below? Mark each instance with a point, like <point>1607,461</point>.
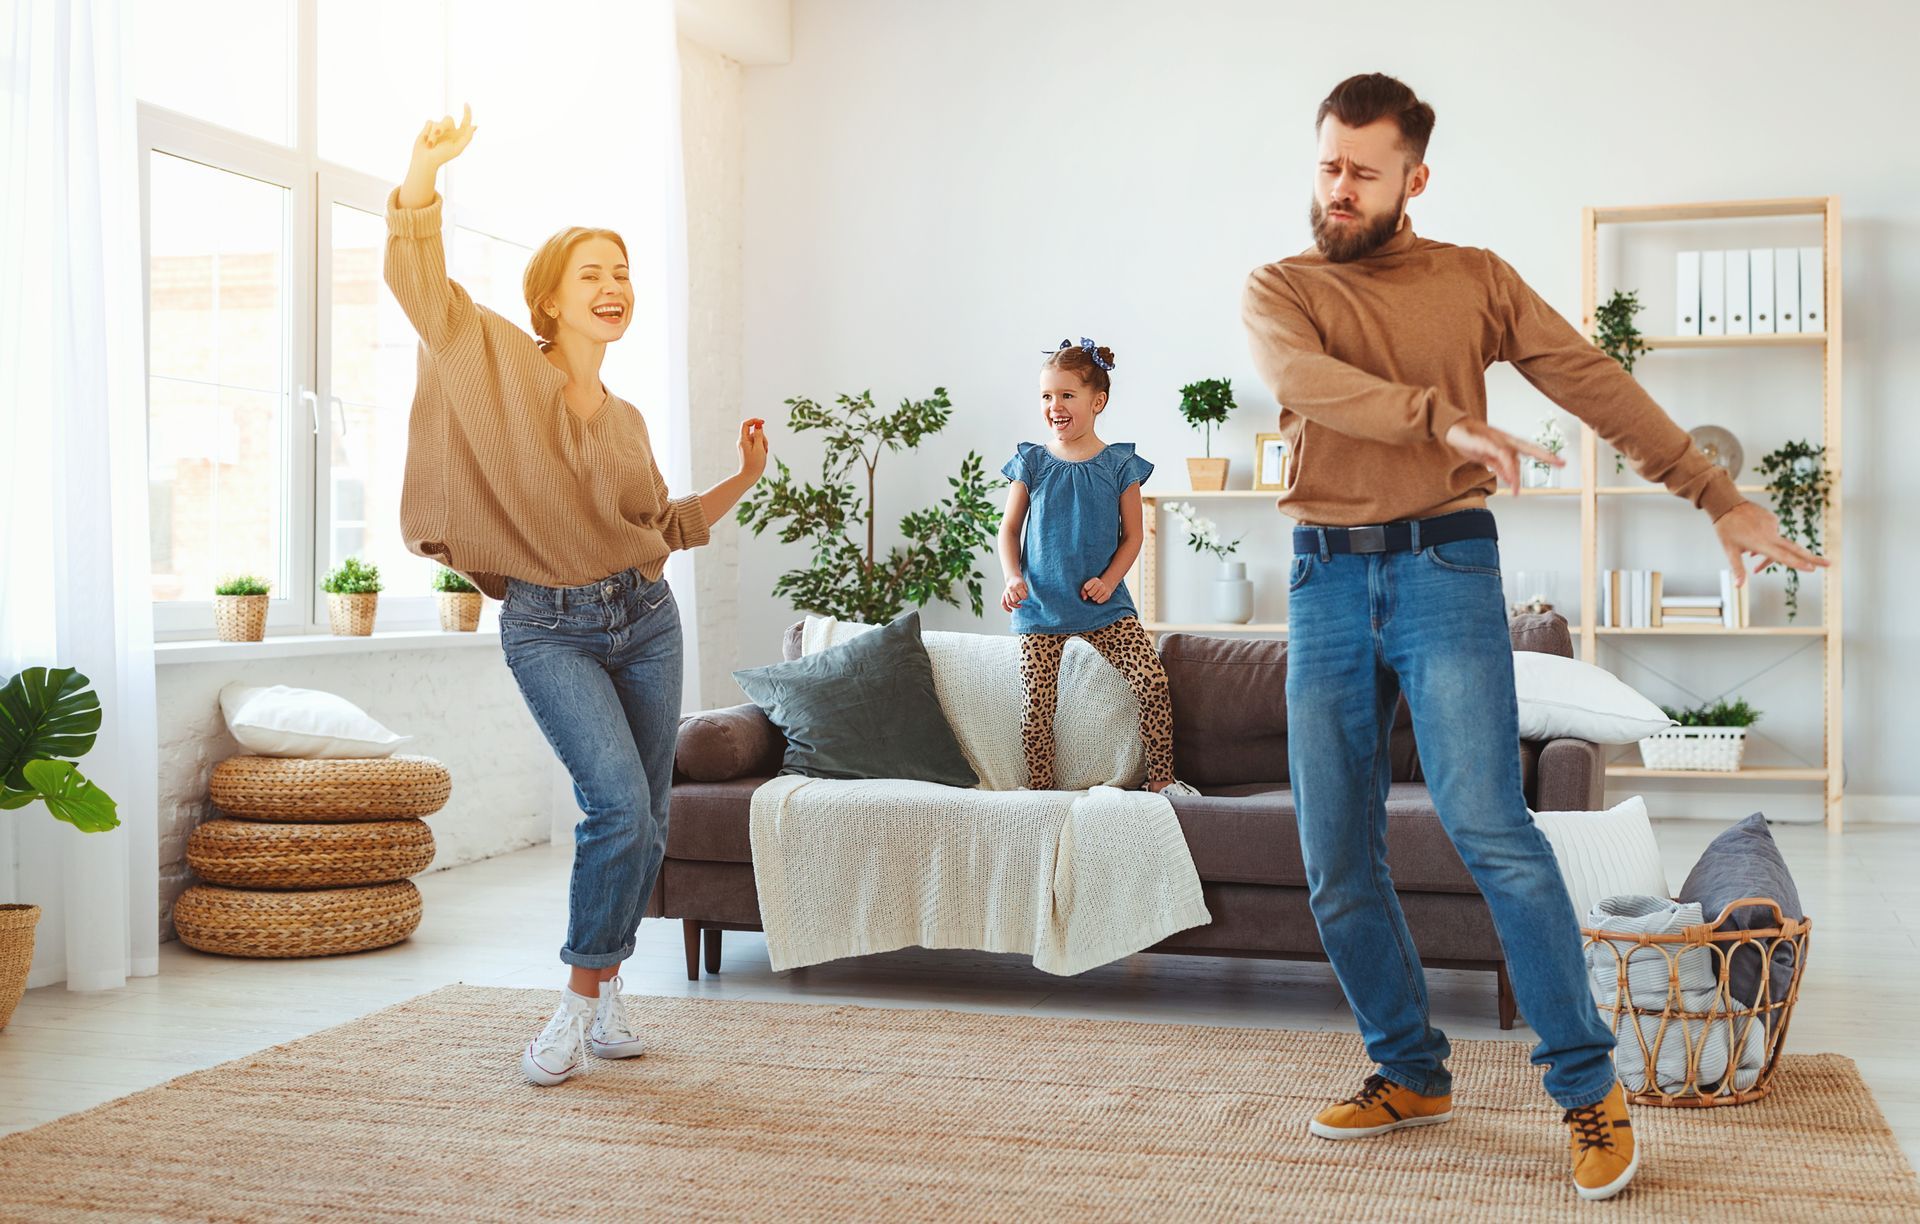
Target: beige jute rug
<point>780,1111</point>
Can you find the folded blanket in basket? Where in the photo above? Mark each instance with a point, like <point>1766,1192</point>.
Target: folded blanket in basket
<point>1072,878</point>
<point>1666,977</point>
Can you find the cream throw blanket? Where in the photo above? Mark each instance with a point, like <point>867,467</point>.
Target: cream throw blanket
<point>1073,878</point>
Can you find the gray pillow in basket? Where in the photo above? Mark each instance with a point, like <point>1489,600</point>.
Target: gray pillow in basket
<point>863,709</point>
<point>1745,862</point>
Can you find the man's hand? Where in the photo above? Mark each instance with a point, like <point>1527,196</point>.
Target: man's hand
<point>1498,449</point>
<point>1014,595</point>
<point>1097,589</point>
<point>1752,528</point>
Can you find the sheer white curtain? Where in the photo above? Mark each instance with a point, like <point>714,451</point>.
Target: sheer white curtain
<point>73,470</point>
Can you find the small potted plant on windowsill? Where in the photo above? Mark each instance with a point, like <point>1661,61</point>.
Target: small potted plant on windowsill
<point>353,598</point>
<point>1709,737</point>
<point>240,608</point>
<point>1205,404</point>
<point>459,601</point>
<point>48,720</point>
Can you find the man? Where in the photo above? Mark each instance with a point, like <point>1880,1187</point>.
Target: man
<point>1375,343</point>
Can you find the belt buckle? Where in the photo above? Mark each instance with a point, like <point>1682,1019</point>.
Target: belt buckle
<point>1370,539</point>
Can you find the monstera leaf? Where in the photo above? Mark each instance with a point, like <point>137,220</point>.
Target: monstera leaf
<point>46,714</point>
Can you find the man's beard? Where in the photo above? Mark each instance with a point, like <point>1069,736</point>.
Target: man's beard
<point>1347,241</point>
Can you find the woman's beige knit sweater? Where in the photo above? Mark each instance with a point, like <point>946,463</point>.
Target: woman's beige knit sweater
<point>502,481</point>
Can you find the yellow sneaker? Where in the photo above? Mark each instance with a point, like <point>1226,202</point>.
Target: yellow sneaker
<point>1604,1155</point>
<point>1380,1106</point>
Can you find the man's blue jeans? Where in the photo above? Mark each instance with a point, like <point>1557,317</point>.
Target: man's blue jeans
<point>599,666</point>
<point>1361,628</point>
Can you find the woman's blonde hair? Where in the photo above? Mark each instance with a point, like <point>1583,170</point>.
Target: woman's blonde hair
<point>548,266</point>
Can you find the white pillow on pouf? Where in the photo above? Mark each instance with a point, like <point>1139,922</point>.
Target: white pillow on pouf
<point>278,721</point>
<point>1606,854</point>
<point>1562,698</point>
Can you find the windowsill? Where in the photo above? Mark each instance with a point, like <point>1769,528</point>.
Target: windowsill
<point>289,646</point>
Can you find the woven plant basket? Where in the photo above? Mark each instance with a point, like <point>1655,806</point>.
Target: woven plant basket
<point>351,615</point>
<point>1711,749</point>
<point>240,618</point>
<point>16,955</point>
<point>254,854</point>
<point>1708,1041</point>
<point>246,922</point>
<point>459,611</point>
<point>360,788</point>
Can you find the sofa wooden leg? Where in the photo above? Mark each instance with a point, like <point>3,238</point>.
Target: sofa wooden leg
<point>1509,1007</point>
<point>691,931</point>
<point>713,950</point>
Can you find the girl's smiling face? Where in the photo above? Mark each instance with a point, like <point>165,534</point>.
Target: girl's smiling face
<point>1067,405</point>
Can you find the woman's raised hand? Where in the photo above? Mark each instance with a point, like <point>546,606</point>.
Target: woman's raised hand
<point>442,140</point>
<point>753,447</point>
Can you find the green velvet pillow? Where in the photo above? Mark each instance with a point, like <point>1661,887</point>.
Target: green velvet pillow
<point>863,709</point>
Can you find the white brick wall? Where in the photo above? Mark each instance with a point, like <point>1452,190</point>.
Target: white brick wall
<point>460,705</point>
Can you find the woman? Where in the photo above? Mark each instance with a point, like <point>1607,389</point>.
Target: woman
<point>527,475</point>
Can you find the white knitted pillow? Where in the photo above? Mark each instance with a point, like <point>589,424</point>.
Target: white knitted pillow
<point>1605,854</point>
<point>976,676</point>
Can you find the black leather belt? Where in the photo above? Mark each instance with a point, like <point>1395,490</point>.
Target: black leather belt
<point>1403,536</point>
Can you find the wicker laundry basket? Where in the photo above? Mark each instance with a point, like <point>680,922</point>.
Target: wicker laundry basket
<point>256,854</point>
<point>1708,1035</point>
<point>324,922</point>
<point>361,788</point>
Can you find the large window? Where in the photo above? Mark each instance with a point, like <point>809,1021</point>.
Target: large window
<point>281,369</point>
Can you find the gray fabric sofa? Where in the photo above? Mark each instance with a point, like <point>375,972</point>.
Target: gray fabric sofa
<point>1230,741</point>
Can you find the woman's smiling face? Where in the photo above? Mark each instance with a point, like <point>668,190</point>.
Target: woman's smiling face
<point>1067,405</point>
<point>595,298</point>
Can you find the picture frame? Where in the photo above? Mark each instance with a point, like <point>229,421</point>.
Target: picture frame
<point>1272,462</point>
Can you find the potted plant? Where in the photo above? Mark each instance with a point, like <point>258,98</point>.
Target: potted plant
<point>1712,736</point>
<point>49,718</point>
<point>847,579</point>
<point>353,597</point>
<point>240,608</point>
<point>1616,335</point>
<point>1797,479</point>
<point>1538,473</point>
<point>459,601</point>
<point>1232,593</point>
<point>1205,404</point>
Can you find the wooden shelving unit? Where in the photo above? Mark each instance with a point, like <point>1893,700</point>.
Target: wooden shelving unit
<point>1588,494</point>
<point>1827,210</point>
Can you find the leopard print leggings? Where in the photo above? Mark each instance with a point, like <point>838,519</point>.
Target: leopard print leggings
<point>1124,644</point>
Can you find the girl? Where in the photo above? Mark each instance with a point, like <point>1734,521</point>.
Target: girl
<point>1072,529</point>
<point>527,475</point>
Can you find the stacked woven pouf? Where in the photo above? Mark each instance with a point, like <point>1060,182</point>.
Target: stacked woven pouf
<point>311,857</point>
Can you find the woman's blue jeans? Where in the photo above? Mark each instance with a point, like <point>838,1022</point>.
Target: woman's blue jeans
<point>599,666</point>
<point>1431,623</point>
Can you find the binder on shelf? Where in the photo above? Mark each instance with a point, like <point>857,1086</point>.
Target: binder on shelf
<point>1606,599</point>
<point>1760,283</point>
<point>1654,618</point>
<point>1713,293</point>
<point>1686,307</point>
<point>1813,291</point>
<point>1729,610</point>
<point>1786,289</point>
<point>1739,320</point>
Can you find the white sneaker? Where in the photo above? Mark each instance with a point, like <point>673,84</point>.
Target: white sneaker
<point>561,1048</point>
<point>612,1035</point>
<point>1177,787</point>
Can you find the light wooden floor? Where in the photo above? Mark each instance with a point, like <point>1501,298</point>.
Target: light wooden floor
<point>500,923</point>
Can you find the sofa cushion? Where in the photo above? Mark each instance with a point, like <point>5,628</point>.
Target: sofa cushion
<point>1229,700</point>
<point>1541,632</point>
<point>736,742</point>
<point>709,820</point>
<point>1745,862</point>
<point>865,709</point>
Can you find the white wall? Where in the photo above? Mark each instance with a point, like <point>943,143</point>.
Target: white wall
<point>459,703</point>
<point>936,193</point>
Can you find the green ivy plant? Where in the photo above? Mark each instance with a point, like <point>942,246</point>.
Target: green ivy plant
<point>1720,713</point>
<point>451,582</point>
<point>1797,478</point>
<point>848,578</point>
<point>49,718</point>
<point>1619,339</point>
<point>1205,404</point>
<point>243,584</point>
<point>353,577</point>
